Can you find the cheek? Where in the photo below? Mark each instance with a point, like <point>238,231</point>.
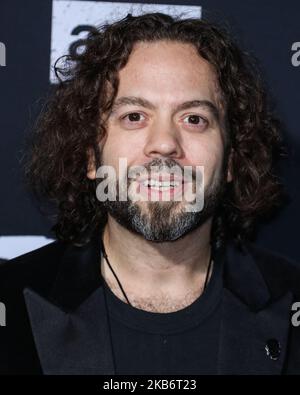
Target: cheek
<point>117,147</point>
<point>208,155</point>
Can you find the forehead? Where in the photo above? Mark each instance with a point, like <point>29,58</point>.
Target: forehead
<point>165,70</point>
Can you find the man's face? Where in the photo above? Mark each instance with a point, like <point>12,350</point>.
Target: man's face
<point>152,124</point>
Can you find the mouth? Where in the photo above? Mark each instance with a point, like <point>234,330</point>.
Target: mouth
<point>161,185</point>
<point>162,188</point>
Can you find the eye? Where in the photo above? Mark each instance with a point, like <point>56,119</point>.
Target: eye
<point>195,120</point>
<point>133,117</point>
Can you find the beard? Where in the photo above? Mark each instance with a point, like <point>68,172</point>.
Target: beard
<point>161,221</point>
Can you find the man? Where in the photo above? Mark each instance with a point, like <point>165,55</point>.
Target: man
<point>147,286</point>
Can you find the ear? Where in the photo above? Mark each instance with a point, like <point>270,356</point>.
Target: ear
<point>229,167</point>
<point>91,168</point>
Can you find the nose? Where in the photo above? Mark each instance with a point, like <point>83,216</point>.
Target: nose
<point>163,140</point>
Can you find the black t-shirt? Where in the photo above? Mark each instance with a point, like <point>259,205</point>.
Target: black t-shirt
<point>181,342</point>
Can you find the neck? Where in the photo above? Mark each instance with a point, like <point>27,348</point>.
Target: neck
<point>174,270</point>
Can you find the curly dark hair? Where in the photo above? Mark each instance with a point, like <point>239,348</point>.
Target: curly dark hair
<point>71,125</point>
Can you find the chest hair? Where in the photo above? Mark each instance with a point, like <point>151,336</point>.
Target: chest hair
<point>158,303</point>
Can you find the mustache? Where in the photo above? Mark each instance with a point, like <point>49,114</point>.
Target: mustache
<point>167,166</point>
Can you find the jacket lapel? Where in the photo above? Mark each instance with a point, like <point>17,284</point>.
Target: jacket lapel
<point>70,325</point>
<point>252,323</point>
<point>71,343</point>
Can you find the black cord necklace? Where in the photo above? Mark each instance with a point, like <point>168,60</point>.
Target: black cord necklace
<point>120,285</point>
<point>113,272</point>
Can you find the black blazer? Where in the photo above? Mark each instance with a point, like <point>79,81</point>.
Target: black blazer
<point>47,332</point>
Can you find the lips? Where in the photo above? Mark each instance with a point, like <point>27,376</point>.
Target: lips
<point>161,184</point>
<point>162,187</point>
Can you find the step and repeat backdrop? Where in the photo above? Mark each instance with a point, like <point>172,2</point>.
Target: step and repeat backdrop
<point>33,34</point>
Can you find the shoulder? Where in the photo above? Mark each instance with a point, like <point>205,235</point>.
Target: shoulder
<point>281,273</point>
<point>35,268</point>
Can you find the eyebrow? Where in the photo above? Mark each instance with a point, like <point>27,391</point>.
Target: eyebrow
<point>138,101</point>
